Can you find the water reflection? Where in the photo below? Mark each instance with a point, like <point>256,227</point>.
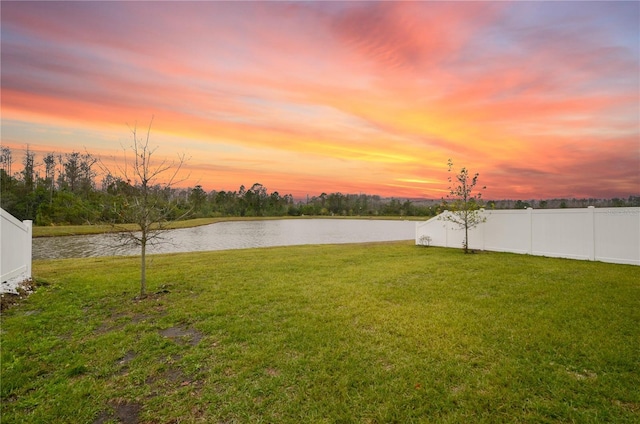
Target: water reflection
<point>232,235</point>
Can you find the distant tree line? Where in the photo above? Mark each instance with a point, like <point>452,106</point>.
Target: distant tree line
<point>615,202</point>
<point>71,188</point>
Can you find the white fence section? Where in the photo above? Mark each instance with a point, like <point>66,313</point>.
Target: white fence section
<point>15,251</point>
<point>597,234</point>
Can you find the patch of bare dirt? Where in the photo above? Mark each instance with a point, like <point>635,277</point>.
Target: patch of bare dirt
<point>123,412</point>
<point>117,321</point>
<point>182,335</point>
<point>124,362</point>
<point>24,289</point>
<point>171,377</point>
<point>155,296</point>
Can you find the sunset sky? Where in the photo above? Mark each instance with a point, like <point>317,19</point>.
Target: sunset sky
<point>541,98</point>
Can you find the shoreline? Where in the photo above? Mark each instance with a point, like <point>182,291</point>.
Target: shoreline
<point>79,230</point>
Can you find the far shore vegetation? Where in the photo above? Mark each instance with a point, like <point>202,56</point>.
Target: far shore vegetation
<point>377,333</point>
<point>76,230</point>
<point>71,189</point>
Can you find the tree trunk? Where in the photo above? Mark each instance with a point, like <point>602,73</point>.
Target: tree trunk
<point>143,270</point>
<point>466,233</point>
<point>466,239</point>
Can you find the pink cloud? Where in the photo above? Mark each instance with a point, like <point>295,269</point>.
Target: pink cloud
<point>394,88</point>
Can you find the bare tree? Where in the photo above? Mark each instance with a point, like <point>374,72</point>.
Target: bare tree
<point>29,170</point>
<point>87,174</point>
<point>464,204</point>
<point>146,204</point>
<point>50,174</point>
<point>6,159</point>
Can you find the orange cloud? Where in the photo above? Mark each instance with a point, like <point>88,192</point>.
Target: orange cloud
<point>339,96</point>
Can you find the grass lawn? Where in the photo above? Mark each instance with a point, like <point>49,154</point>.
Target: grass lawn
<point>373,333</point>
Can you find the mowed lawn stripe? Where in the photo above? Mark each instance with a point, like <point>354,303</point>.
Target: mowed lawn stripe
<point>380,332</point>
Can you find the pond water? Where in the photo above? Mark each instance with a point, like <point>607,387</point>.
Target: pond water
<point>232,235</point>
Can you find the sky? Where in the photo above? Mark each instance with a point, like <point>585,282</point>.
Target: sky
<point>542,99</point>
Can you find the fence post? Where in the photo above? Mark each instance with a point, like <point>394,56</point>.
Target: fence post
<point>591,232</point>
<point>530,216</point>
<point>483,225</point>
<point>446,231</point>
<point>28,246</point>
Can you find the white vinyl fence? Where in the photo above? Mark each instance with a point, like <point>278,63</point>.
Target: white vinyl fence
<point>596,234</point>
<point>15,252</point>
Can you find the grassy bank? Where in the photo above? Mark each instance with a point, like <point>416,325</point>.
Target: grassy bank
<point>344,333</point>
<point>77,230</point>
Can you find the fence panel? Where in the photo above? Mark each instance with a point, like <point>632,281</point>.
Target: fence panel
<point>603,234</point>
<point>507,231</point>
<point>617,234</point>
<point>15,251</point>
<point>565,233</point>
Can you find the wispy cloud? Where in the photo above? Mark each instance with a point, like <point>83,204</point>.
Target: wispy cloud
<point>538,97</point>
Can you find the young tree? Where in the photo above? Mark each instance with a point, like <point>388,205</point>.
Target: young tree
<point>146,204</point>
<point>463,202</point>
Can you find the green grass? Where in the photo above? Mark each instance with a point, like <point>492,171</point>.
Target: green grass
<point>373,333</point>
